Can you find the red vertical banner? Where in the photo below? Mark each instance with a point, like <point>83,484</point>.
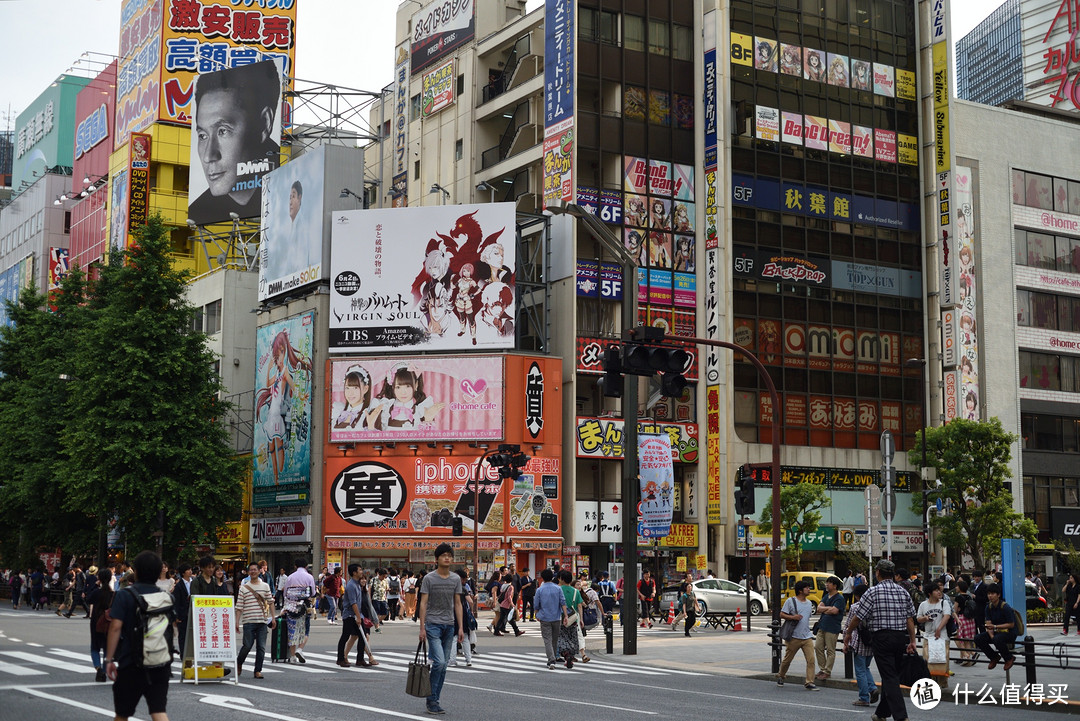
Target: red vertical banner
<point>139,174</point>
<point>795,420</point>
<point>765,413</point>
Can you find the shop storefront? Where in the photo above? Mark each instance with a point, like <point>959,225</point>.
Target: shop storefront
<point>280,540</point>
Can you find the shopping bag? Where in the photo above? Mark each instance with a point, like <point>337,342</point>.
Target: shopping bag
<point>418,682</point>
<point>937,649</point>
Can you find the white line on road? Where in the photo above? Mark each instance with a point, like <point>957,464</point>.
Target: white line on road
<point>77,704</point>
<point>556,699</point>
<point>238,703</point>
<point>17,670</point>
<point>51,663</point>
<point>746,698</point>
<point>335,702</point>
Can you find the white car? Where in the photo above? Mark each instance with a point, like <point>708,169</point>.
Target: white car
<point>717,594</point>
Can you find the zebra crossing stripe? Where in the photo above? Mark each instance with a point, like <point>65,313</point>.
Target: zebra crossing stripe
<point>51,663</point>
<point>16,670</point>
<point>69,702</point>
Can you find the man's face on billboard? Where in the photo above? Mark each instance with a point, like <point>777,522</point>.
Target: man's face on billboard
<point>294,204</point>
<point>227,135</point>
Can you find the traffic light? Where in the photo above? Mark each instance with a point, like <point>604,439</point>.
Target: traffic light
<point>509,460</point>
<point>611,385</point>
<point>744,491</point>
<point>455,526</point>
<point>669,361</point>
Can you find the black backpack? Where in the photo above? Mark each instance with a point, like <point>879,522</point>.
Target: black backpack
<point>152,633</point>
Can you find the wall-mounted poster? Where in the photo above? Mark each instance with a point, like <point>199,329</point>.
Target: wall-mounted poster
<point>862,141</point>
<point>838,73</point>
<point>791,59</point>
<point>791,127</point>
<point>281,470</point>
<point>427,278</point>
<point>768,123</point>
<point>438,88</point>
<point>862,77</point>
<point>416,398</point>
<point>635,175</point>
<point>634,102</point>
<point>814,65</point>
<point>765,54</point>
<point>884,84</point>
<point>291,250</point>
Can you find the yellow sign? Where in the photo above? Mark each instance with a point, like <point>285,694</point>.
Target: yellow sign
<point>941,74</point>
<point>907,149</point>
<point>682,535</point>
<point>212,601</point>
<point>680,564</point>
<point>905,84</point>
<point>701,562</point>
<point>942,156</point>
<point>742,49</point>
<point>712,505</point>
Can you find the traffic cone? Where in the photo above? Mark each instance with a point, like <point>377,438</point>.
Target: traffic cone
<point>738,620</point>
<point>671,614</point>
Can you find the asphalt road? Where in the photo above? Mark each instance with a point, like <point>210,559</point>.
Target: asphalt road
<point>45,674</point>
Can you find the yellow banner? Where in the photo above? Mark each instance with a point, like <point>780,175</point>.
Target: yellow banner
<point>682,535</point>
<point>701,562</point>
<point>742,50</point>
<point>680,564</point>
<point>212,601</point>
<point>941,74</point>
<point>907,149</point>
<point>905,84</point>
<point>942,153</point>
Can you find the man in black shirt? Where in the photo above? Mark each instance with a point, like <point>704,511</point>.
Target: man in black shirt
<point>130,680</point>
<point>527,585</point>
<point>978,592</point>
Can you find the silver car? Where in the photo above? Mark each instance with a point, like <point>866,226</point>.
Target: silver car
<point>717,594</point>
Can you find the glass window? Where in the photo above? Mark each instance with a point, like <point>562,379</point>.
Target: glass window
<point>1043,311</point>
<point>634,32</point>
<point>588,19</point>
<point>1026,378</point>
<point>659,38</point>
<point>1018,186</point>
<point>213,317</point>
<point>414,107</point>
<point>1023,308</point>
<point>1039,192</point>
<point>682,43</point>
<point>1040,249</point>
<point>1020,237</point>
<point>1061,195</point>
<point>609,27</point>
<point>1074,198</point>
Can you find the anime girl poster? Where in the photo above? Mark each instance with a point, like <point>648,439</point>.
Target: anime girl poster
<point>791,59</point>
<point>416,398</point>
<point>838,72</point>
<point>814,65</point>
<point>765,54</point>
<point>282,442</point>
<point>432,278</point>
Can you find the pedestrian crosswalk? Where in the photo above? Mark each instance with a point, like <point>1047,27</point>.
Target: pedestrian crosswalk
<point>43,662</point>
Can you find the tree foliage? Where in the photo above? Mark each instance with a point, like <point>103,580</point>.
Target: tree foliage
<point>972,463</point>
<point>799,513</point>
<point>137,434</point>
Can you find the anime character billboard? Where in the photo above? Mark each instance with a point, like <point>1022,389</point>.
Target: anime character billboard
<point>435,278</point>
<point>281,475</point>
<point>418,398</point>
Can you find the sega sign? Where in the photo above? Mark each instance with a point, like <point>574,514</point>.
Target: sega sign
<point>91,131</point>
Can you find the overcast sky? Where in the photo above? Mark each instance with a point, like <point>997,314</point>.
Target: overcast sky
<point>347,43</point>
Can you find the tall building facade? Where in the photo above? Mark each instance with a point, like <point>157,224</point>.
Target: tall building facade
<point>989,59</point>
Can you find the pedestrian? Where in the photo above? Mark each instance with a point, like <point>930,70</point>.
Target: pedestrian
<point>934,613</point>
<point>279,595</point>
<point>798,609</point>
<point>253,606</point>
<point>527,585</point>
<point>861,654</point>
<point>831,609</point>
<point>68,587</point>
<point>393,595</point>
<point>680,609</point>
<point>368,620</point>
<point>466,646</point>
<point>182,605</point>
<point>849,587</point>
<point>350,619</point>
<point>165,582</point>
<point>978,592</point>
<point>568,633</point>
<point>419,585</point>
<point>606,589</point>
<point>550,613</point>
<point>890,615</point>
<point>78,592</point>
<point>762,583</point>
<point>688,600</point>
<point>440,613</point>
<point>38,599</point>
<point>646,591</point>
<point>332,593</point>
<point>16,584</point>
<point>100,600</point>
<point>1000,634</point>
<point>1071,596</point>
<point>506,607</point>
<point>965,624</point>
<point>132,681</point>
<point>379,589</point>
<point>299,592</point>
<point>408,593</point>
<point>591,613</point>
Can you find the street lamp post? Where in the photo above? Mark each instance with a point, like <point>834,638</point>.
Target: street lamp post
<point>920,363</point>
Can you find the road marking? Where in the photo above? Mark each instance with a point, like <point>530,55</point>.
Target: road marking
<point>241,704</point>
<point>556,699</point>
<point>35,645</point>
<point>51,663</point>
<point>335,702</point>
<point>77,704</point>
<point>746,698</point>
<point>17,670</point>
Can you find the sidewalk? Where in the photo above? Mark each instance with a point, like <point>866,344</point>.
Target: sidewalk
<point>749,655</point>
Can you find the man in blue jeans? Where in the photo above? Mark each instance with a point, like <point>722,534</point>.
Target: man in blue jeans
<point>440,618</point>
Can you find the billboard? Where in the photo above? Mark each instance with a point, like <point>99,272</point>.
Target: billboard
<point>204,36</point>
<point>438,89</point>
<point>416,398</point>
<point>118,210</point>
<point>439,29</point>
<point>235,142</point>
<point>399,184</point>
<point>559,78</point>
<point>1050,57</point>
<point>13,280</point>
<point>434,278</point>
<point>138,180</point>
<point>291,250</point>
<point>138,78</point>
<point>281,473</point>
<point>419,497</point>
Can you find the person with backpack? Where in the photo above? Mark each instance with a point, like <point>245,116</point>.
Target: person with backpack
<point>393,595</point>
<point>607,592</point>
<point>965,623</point>
<point>139,649</point>
<point>1000,634</point>
<point>466,642</point>
<point>100,600</point>
<point>506,607</point>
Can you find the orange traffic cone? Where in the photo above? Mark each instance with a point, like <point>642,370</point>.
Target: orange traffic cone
<point>671,614</point>
<point>737,626</point>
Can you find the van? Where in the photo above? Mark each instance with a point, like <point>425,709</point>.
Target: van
<point>788,579</point>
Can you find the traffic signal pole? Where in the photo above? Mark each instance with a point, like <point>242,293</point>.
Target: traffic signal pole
<point>774,601</point>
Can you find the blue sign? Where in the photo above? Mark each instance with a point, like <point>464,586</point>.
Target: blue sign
<point>816,202</point>
<point>589,200</point>
<point>611,281</point>
<point>611,202</point>
<point>559,38</point>
<point>92,130</point>
<point>588,279</point>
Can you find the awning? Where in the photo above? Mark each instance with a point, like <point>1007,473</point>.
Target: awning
<point>551,545</point>
<point>257,548</point>
<point>402,543</point>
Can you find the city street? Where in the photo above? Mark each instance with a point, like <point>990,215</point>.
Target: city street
<point>45,673</point>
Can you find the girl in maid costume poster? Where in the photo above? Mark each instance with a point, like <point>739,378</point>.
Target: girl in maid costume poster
<point>451,253</point>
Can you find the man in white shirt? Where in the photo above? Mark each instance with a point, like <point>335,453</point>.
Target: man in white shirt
<point>298,589</point>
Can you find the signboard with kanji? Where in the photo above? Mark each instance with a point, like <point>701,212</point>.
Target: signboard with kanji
<point>603,438</point>
<point>212,637</point>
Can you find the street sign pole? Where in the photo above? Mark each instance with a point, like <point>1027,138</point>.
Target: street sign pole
<point>888,451</point>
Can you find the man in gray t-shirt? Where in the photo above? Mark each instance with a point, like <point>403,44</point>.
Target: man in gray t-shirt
<point>440,619</point>
<point>798,609</point>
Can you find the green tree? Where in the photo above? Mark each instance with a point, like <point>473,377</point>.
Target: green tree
<point>972,463</point>
<point>36,353</point>
<point>145,443</point>
<point>799,515</point>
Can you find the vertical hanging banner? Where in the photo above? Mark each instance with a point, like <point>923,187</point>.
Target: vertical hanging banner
<point>712,277</point>
<point>657,478</point>
<point>139,174</point>
<point>399,183</point>
<point>559,75</point>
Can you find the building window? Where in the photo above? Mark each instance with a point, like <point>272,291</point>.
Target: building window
<point>459,148</point>
<point>634,33</point>
<point>461,84</point>
<point>416,170</point>
<point>659,38</point>
<point>682,45</point>
<point>598,25</point>
<point>213,318</point>
<point>414,105</point>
